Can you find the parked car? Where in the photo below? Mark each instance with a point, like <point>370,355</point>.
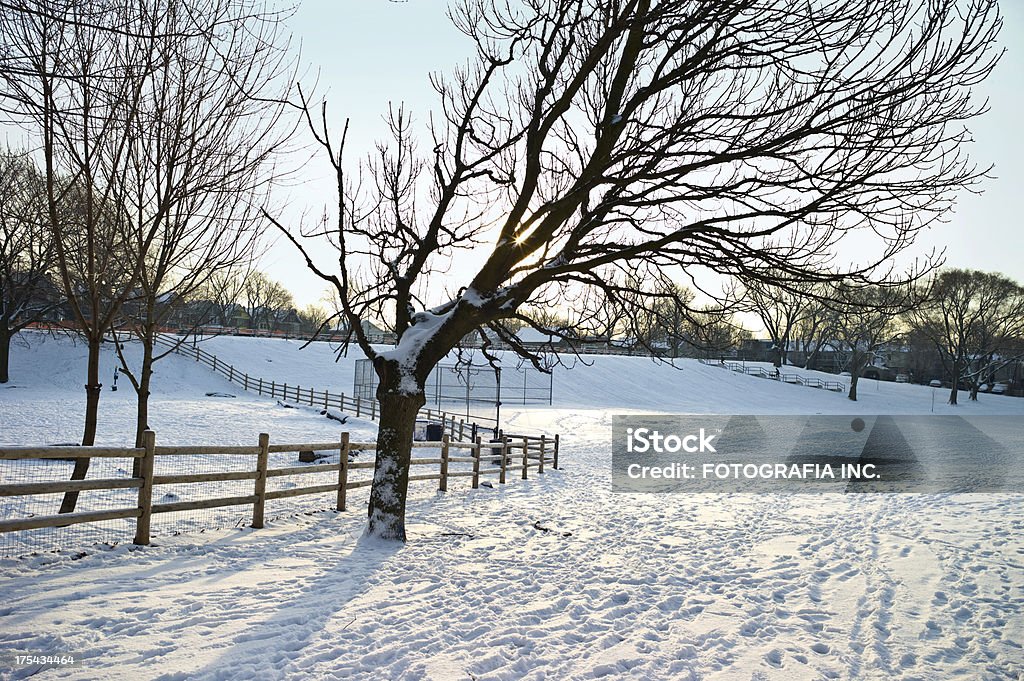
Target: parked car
<point>935,383</point>
<point>1000,388</point>
<point>902,378</point>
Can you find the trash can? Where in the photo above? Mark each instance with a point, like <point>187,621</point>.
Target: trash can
<point>434,432</point>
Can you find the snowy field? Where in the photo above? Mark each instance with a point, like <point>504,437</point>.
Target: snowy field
<point>554,578</point>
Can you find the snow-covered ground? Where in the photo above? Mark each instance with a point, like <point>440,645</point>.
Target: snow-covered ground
<point>553,578</point>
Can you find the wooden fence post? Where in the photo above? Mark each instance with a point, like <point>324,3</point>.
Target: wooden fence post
<point>260,389</point>
<point>245,382</point>
<point>343,473</point>
<point>543,452</point>
<point>273,389</point>
<point>359,406</point>
<point>554,463</point>
<point>327,397</point>
<point>443,486</point>
<point>146,491</point>
<point>476,464</point>
<point>504,459</point>
<point>231,373</point>
<point>526,456</point>
<point>462,426</point>
<point>262,459</point>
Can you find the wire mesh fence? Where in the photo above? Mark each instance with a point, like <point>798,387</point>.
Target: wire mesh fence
<point>46,470</point>
<point>190,521</point>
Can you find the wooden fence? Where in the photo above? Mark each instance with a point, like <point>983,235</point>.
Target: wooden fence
<point>458,428</point>
<point>509,455</point>
<point>761,372</point>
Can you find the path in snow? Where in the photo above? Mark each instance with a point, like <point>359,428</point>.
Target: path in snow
<point>656,586</point>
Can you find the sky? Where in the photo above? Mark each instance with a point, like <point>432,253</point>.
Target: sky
<point>364,54</point>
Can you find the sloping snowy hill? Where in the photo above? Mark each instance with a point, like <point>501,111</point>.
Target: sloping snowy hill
<point>44,403</point>
<point>632,383</point>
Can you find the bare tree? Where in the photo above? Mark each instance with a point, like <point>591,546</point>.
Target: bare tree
<point>26,251</point>
<point>199,162</point>
<point>73,75</point>
<point>224,293</point>
<point>866,321</point>
<point>817,326</point>
<point>263,298</point>
<point>746,138</point>
<point>84,79</point>
<point>668,320</point>
<point>714,330</point>
<point>780,308</point>
<point>314,317</point>
<point>974,319</point>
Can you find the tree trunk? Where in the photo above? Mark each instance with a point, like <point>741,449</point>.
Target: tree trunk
<point>853,386</point>
<point>398,410</point>
<point>92,405</point>
<point>5,353</point>
<point>142,401</point>
<point>956,383</point>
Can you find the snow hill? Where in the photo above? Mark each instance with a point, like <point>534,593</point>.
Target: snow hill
<point>45,400</point>
<point>552,578</point>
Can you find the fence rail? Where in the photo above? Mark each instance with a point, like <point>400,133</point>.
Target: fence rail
<point>506,454</point>
<point>761,372</point>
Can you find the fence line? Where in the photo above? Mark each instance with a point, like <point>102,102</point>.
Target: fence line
<point>761,372</point>
<point>458,428</point>
<point>506,454</point>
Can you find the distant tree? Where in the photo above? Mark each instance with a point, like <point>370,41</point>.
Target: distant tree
<point>780,308</point>
<point>975,321</point>
<point>866,321</point>
<point>314,317</point>
<point>744,139</point>
<point>26,251</point>
<point>668,319</point>
<point>817,326</point>
<point>263,298</point>
<point>224,291</point>
<point>715,331</point>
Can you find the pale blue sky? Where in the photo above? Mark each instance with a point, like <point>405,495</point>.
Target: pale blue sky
<point>370,52</point>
